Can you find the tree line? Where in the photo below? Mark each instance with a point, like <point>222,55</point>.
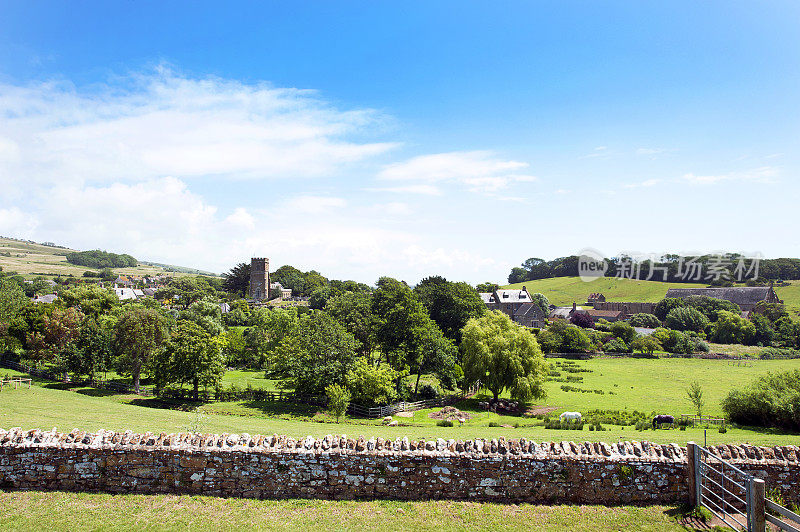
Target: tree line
<point>101,259</point>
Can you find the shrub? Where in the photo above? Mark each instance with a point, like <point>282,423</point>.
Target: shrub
<point>623,331</point>
<point>772,400</point>
<point>722,429</point>
<point>338,400</point>
<point>686,319</point>
<point>429,391</point>
<point>616,345</point>
<point>582,319</point>
<point>774,353</point>
<point>494,424</point>
<point>445,423</point>
<point>731,328</point>
<point>649,321</point>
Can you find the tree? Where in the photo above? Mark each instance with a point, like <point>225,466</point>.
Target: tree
<point>772,311</point>
<point>191,355</point>
<point>695,394</point>
<point>541,301</point>
<point>623,331</point>
<point>237,280</point>
<point>93,350</point>
<point>206,314</point>
<point>711,306</point>
<point>139,332</point>
<point>764,331</point>
<point>502,355</point>
<point>487,287</point>
<point>582,319</point>
<point>449,304</point>
<point>319,352</point>
<point>91,299</point>
<point>354,311</point>
<point>731,328</point>
<point>267,331</point>
<point>665,305</point>
<point>338,400</point>
<point>686,319</point>
<point>648,321</point>
<point>646,344</point>
<point>12,299</point>
<point>371,384</point>
<point>672,341</point>
<point>517,275</point>
<point>61,329</point>
<point>787,332</point>
<point>562,337</point>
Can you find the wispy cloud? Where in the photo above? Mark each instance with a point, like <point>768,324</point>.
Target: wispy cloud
<point>161,123</point>
<point>644,184</point>
<point>765,174</point>
<point>314,204</point>
<point>479,171</point>
<point>599,151</point>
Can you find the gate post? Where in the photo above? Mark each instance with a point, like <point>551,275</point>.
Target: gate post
<point>757,496</point>
<point>691,471</point>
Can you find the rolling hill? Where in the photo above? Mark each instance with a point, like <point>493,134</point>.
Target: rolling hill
<point>31,259</point>
<point>564,291</point>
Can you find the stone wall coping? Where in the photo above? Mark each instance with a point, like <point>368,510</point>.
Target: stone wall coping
<point>494,449</point>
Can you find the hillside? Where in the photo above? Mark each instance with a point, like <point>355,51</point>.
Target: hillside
<point>564,291</point>
<point>28,258</point>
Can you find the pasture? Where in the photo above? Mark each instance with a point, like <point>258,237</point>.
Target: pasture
<point>32,510</point>
<point>564,291</point>
<point>646,385</point>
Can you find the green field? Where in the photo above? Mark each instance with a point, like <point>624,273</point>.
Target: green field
<point>33,510</point>
<point>35,259</point>
<point>646,385</point>
<point>563,291</point>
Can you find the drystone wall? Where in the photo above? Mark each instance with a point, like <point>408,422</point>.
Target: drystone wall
<point>338,467</point>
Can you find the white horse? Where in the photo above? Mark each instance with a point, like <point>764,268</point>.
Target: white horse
<point>570,416</point>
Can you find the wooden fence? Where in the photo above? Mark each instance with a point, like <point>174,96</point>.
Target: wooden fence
<point>16,382</point>
<point>703,419</point>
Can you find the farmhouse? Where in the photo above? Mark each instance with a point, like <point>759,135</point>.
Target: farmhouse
<point>595,298</point>
<point>516,304</point>
<point>747,297</point>
<point>563,313</point>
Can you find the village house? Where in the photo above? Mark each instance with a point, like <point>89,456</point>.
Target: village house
<point>516,304</point>
<point>747,297</point>
<point>563,313</point>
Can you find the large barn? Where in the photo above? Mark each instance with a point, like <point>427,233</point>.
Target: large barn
<point>747,297</point>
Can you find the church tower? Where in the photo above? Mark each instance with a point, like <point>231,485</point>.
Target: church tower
<point>259,279</point>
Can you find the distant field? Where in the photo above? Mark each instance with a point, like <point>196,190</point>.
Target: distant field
<point>32,259</point>
<point>32,510</point>
<point>564,291</point>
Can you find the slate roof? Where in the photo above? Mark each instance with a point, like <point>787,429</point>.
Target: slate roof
<point>563,312</point>
<point>744,295</point>
<point>529,310</point>
<point>486,297</point>
<point>513,296</point>
<point>604,313</point>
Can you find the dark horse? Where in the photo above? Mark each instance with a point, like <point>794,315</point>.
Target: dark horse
<point>658,420</point>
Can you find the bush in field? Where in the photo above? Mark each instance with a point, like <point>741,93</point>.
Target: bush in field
<point>623,331</point>
<point>772,400</point>
<point>371,383</point>
<point>686,319</point>
<point>429,391</point>
<point>616,345</point>
<point>672,341</point>
<point>666,305</point>
<point>338,400</point>
<point>731,328</point>
<point>649,321</point>
<point>582,320</point>
<point>646,344</point>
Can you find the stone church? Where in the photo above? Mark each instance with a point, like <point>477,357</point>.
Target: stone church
<point>259,279</point>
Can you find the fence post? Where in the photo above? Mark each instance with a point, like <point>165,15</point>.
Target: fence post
<point>757,492</point>
<point>691,469</point>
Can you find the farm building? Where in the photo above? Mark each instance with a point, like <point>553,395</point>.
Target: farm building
<point>747,297</point>
<point>595,298</point>
<point>516,304</point>
<point>608,315</point>
<point>627,308</point>
<point>563,313</point>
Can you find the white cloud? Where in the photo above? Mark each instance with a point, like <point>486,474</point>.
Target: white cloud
<point>15,222</point>
<point>644,184</point>
<point>765,174</point>
<point>479,171</point>
<point>149,126</point>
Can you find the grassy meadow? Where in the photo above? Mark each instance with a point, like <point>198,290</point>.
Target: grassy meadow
<point>646,385</point>
<point>32,510</point>
<point>564,291</point>
<point>31,260</point>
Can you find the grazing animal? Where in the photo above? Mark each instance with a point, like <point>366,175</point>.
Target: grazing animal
<point>570,416</point>
<point>658,420</point>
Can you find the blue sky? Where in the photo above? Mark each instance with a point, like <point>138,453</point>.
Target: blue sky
<point>406,139</point>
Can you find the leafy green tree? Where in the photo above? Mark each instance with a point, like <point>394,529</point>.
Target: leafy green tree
<point>711,307</point>
<point>139,333</point>
<point>12,299</point>
<point>369,383</point>
<point>672,341</point>
<point>354,311</point>
<point>186,290</point>
<point>648,321</point>
<point>615,345</point>
<point>623,331</point>
<point>695,395</point>
<point>646,344</point>
<point>541,301</point>
<point>192,356</point>
<point>449,304</point>
<point>772,311</point>
<point>562,337</point>
<point>503,355</point>
<point>487,287</point>
<point>268,329</point>
<point>319,352</point>
<point>787,332</point>
<point>338,400</point>
<point>764,331</point>
<point>206,314</point>
<point>319,297</point>
<point>686,319</point>
<point>61,329</point>
<point>665,305</point>
<point>237,279</point>
<point>517,275</point>
<point>236,353</point>
<point>91,299</point>
<point>93,349</point>
<point>731,328</point>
